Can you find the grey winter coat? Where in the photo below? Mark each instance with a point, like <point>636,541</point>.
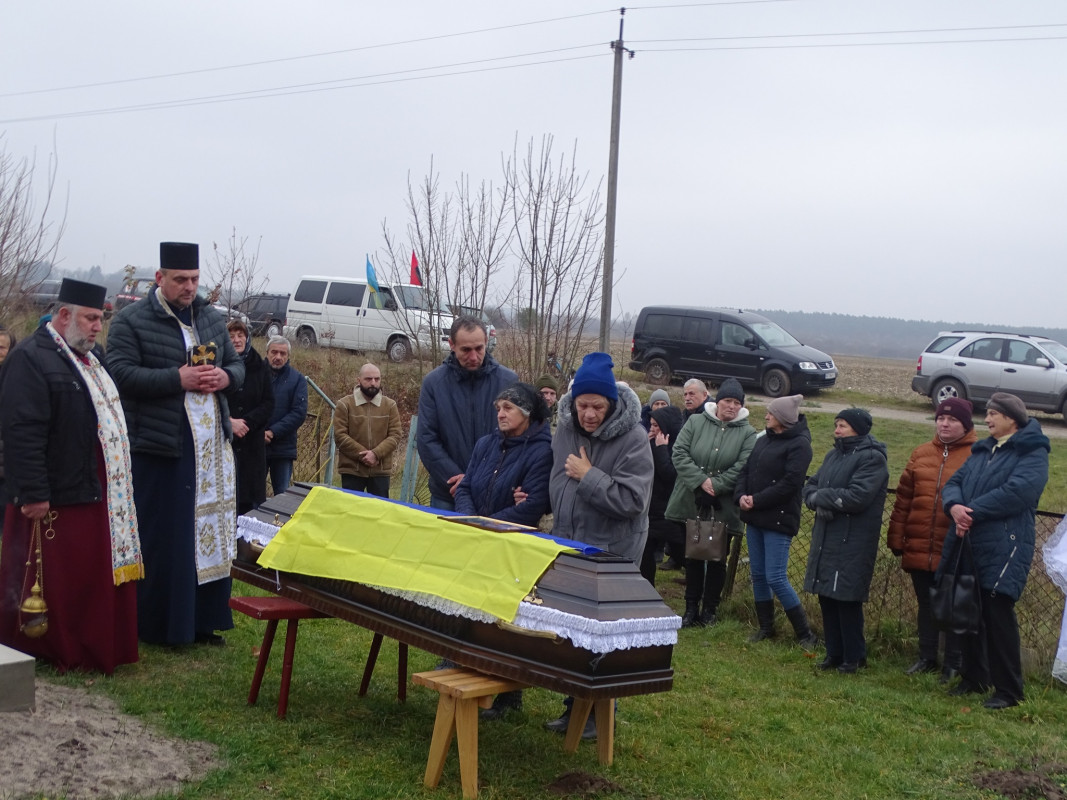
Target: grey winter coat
<point>708,447</point>
<point>608,508</point>
<point>145,350</point>
<point>848,496</point>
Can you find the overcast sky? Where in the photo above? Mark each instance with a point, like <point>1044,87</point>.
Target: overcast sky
<point>764,163</point>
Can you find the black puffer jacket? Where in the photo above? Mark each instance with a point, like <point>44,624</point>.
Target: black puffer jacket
<point>848,495</point>
<point>145,350</point>
<point>774,475</point>
<point>253,402</point>
<point>49,427</point>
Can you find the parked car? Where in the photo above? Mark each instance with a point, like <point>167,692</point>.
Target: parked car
<point>265,313</point>
<point>975,364</point>
<point>716,343</point>
<point>340,312</point>
<point>44,294</point>
<point>138,289</point>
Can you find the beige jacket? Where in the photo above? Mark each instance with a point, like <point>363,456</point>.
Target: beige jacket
<point>360,424</point>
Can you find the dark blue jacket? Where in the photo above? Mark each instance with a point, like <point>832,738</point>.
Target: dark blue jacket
<point>455,411</point>
<point>498,465</point>
<point>1002,490</point>
<point>290,411</point>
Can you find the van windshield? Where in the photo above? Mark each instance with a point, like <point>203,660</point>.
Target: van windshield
<point>773,335</point>
<point>413,297</point>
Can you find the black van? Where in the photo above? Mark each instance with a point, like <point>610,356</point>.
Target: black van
<point>716,343</point>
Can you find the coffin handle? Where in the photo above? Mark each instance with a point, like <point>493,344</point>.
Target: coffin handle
<point>510,628</point>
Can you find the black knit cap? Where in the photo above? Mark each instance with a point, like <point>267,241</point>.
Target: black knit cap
<point>179,255</point>
<point>80,293</point>
<point>526,398</point>
<point>858,419</point>
<point>730,388</point>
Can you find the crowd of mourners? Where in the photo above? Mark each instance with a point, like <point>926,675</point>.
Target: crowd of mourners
<point>177,430</point>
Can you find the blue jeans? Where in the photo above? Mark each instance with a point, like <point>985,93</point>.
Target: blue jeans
<point>281,473</point>
<point>768,559</point>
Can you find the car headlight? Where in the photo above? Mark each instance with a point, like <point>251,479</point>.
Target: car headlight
<point>807,365</point>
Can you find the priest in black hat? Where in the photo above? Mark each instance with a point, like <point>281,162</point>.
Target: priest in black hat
<point>68,477</point>
<point>172,358</point>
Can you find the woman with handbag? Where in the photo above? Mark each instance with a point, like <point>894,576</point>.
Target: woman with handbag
<point>918,523</point>
<point>847,495</point>
<point>992,500</point>
<point>768,492</point>
<point>709,455</point>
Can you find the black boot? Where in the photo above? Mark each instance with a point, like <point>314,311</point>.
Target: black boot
<point>799,620</point>
<point>691,618</point>
<point>502,704</point>
<point>765,617</point>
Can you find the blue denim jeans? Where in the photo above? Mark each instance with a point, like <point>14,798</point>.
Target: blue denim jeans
<point>768,558</point>
<point>281,473</point>
<point>444,504</point>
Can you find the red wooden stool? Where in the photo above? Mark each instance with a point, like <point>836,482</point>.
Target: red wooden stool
<point>273,609</point>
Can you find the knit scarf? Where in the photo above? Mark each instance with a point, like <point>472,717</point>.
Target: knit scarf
<point>126,563</point>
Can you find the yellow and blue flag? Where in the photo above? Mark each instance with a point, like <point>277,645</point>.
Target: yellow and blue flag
<point>372,282</point>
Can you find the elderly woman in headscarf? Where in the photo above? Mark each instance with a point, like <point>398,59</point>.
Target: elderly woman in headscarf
<point>602,472</point>
<point>991,500</point>
<point>709,455</point>
<point>847,495</point>
<point>768,493</point>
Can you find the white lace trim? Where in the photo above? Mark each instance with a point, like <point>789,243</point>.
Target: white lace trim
<point>1054,554</point>
<point>588,634</point>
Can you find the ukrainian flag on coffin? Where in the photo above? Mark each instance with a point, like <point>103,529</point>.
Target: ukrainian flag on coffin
<point>351,537</point>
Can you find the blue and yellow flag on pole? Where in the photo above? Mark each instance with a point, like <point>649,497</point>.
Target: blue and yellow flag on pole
<point>372,282</point>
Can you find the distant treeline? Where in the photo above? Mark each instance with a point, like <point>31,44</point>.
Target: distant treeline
<point>880,337</point>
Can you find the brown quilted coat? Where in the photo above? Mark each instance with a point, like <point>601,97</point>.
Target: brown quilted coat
<point>918,524</point>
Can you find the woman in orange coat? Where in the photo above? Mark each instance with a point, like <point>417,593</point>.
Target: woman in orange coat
<point>918,524</point>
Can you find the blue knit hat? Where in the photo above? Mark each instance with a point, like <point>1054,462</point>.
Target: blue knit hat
<point>595,376</point>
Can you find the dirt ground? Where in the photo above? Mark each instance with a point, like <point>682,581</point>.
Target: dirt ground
<point>77,745</point>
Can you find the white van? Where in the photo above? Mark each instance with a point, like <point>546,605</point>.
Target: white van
<point>341,312</point>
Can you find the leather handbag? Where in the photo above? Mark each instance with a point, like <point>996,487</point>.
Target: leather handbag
<point>706,538</point>
<point>954,601</point>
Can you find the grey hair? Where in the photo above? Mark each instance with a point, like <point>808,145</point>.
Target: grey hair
<point>699,384</point>
<point>273,340</point>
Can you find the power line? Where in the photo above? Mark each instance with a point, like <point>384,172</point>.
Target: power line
<point>285,59</point>
<point>262,94</point>
<point>848,44</point>
<point>853,33</point>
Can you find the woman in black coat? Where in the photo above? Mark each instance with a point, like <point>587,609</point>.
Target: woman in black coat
<point>250,408</point>
<point>768,494</point>
<point>664,424</point>
<point>847,495</point>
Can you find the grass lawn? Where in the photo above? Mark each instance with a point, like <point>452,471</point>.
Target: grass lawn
<point>743,721</point>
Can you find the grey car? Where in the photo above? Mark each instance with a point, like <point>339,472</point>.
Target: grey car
<point>975,364</point>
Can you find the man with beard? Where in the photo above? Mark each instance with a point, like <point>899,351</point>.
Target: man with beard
<point>71,513</point>
<point>290,410</point>
<point>367,431</point>
<point>456,408</point>
<point>172,360</point>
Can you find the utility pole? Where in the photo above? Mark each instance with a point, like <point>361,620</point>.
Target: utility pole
<point>613,186</point>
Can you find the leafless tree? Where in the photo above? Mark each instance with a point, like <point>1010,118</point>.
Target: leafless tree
<point>558,243</point>
<point>28,237</point>
<point>235,272</point>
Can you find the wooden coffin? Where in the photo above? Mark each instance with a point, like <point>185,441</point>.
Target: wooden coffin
<point>601,587</point>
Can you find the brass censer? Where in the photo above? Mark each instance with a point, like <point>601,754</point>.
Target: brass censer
<point>34,609</point>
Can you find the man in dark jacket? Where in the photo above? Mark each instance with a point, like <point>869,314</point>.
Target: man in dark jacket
<point>251,405</point>
<point>290,411</point>
<point>456,408</point>
<point>172,360</point>
<point>68,454</point>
